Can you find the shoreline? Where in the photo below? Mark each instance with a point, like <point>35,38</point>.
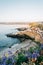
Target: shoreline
<point>24,45</point>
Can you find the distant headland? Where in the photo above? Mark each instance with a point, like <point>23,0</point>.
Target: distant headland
<point>12,23</point>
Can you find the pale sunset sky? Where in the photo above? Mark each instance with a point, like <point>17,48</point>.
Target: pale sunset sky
<point>21,10</point>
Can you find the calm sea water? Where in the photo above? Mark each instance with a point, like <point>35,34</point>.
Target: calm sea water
<point>5,41</point>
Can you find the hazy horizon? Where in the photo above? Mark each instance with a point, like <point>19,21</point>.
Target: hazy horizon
<point>21,10</point>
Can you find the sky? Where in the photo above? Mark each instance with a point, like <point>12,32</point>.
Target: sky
<point>21,10</point>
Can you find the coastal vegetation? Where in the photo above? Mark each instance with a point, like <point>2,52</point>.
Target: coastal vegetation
<point>40,26</point>
<point>28,55</point>
<point>22,57</point>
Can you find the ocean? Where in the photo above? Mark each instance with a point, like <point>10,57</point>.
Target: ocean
<point>5,41</point>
